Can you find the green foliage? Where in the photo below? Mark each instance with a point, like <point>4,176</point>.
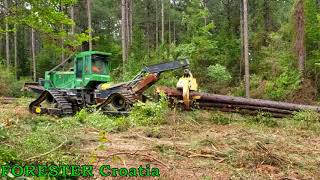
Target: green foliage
<point>122,124</point>
<point>218,73</point>
<point>264,119</point>
<point>3,134</point>
<point>9,85</point>
<point>307,116</point>
<point>149,113</point>
<point>308,120</point>
<point>97,120</point>
<point>48,58</point>
<point>255,82</point>
<point>82,115</point>
<point>312,24</point>
<point>41,140</point>
<point>153,132</point>
<point>220,118</point>
<point>284,85</point>
<point>7,155</point>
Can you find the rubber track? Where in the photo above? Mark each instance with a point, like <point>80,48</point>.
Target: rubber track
<point>62,102</point>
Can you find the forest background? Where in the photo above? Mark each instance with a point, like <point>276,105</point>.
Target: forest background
<point>284,39</point>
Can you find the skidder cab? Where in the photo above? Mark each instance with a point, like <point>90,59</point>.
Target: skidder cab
<point>90,69</point>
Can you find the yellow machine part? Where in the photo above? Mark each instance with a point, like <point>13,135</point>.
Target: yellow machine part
<point>38,110</point>
<point>187,84</point>
<point>189,81</point>
<point>104,86</point>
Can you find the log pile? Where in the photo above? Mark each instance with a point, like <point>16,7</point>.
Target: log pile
<point>238,104</point>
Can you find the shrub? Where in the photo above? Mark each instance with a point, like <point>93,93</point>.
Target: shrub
<point>308,120</point>
<point>7,155</point>
<point>307,116</point>
<point>219,73</point>
<point>9,85</point>
<point>284,85</point>
<point>150,112</point>
<point>220,118</point>
<point>265,119</point>
<point>255,83</point>
<point>97,120</point>
<point>122,124</point>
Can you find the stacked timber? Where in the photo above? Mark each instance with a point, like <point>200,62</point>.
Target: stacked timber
<point>238,104</point>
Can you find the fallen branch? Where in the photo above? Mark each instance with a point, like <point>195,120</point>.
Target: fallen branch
<point>204,155</point>
<point>52,150</point>
<point>135,153</point>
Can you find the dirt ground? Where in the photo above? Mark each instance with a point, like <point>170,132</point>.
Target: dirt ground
<point>191,150</point>
<point>193,147</point>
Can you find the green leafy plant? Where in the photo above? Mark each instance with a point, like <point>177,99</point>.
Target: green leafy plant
<point>284,85</point>
<point>218,73</point>
<point>219,118</point>
<point>264,118</point>
<point>150,112</point>
<point>307,116</point>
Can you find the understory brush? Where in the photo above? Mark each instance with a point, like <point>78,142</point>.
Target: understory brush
<point>265,119</point>
<point>9,85</point>
<point>220,118</point>
<point>36,136</point>
<point>308,120</point>
<point>142,114</point>
<point>277,88</point>
<point>149,113</point>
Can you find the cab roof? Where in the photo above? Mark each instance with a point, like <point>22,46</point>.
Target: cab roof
<point>87,53</point>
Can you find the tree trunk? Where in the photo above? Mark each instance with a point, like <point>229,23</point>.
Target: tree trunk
<point>89,23</point>
<point>174,23</point>
<point>33,55</point>
<point>162,21</point>
<point>246,47</point>
<point>7,37</point>
<point>16,66</point>
<point>72,17</point>
<point>123,32</point>
<point>267,23</point>
<point>128,23</point>
<point>157,25</point>
<point>130,20</point>
<point>205,7</point>
<point>62,38</point>
<point>169,28</point>
<point>15,38</point>
<point>241,39</point>
<point>299,35</point>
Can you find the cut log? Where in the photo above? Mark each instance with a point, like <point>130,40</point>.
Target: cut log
<point>245,107</point>
<point>205,97</point>
<point>239,102</point>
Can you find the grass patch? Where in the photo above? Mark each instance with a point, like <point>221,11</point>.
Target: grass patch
<point>149,113</point>
<point>265,119</point>
<point>153,132</point>
<point>220,118</point>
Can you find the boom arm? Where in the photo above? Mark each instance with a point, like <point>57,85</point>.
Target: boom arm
<point>150,75</point>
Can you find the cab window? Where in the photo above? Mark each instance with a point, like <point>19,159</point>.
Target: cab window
<point>79,67</point>
<point>99,64</point>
